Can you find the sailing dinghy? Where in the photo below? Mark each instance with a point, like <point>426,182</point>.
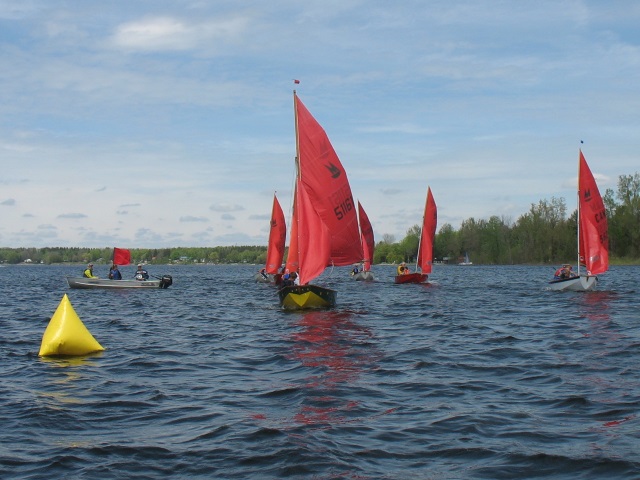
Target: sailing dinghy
<point>275,249</point>
<point>466,262</point>
<point>593,237</point>
<point>425,247</point>
<point>368,246</point>
<point>324,226</point>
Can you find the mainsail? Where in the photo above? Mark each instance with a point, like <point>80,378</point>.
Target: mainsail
<point>277,238</point>
<point>325,181</point>
<point>368,242</point>
<point>324,228</point>
<point>429,223</point>
<point>593,243</point>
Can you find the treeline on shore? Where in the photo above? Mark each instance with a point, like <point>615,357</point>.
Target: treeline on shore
<point>543,235</point>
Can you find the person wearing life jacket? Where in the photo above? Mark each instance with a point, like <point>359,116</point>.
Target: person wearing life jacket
<point>141,274</point>
<point>114,273</point>
<point>88,272</point>
<point>263,272</point>
<point>403,269</point>
<point>290,279</point>
<point>563,272</point>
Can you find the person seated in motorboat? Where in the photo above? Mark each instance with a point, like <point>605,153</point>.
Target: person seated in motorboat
<point>88,272</point>
<point>141,273</point>
<point>564,272</point>
<point>114,273</point>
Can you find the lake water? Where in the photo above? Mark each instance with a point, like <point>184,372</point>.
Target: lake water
<point>481,374</point>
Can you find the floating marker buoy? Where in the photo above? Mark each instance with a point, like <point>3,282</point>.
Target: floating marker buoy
<point>66,334</point>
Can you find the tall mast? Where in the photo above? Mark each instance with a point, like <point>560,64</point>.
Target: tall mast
<point>578,211</point>
<point>295,116</point>
<point>296,203</point>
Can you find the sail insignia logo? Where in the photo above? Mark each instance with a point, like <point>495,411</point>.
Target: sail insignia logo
<point>333,170</point>
<point>587,195</point>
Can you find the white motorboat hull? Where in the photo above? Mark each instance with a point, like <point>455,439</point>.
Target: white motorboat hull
<point>583,283</point>
<point>82,282</point>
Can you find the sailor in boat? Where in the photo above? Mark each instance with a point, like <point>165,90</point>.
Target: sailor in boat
<point>141,273</point>
<point>277,279</point>
<point>263,272</point>
<point>564,272</point>
<point>290,280</point>
<point>355,270</point>
<point>88,272</point>
<point>403,269</point>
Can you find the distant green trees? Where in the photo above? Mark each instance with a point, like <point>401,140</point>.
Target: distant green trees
<point>544,234</point>
<point>624,217</point>
<point>184,255</point>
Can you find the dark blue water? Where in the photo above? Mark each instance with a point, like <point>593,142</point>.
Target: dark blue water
<point>484,374</point>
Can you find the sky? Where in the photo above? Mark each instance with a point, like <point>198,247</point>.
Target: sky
<point>167,123</point>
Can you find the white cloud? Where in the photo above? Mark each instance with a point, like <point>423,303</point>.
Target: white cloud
<point>175,34</point>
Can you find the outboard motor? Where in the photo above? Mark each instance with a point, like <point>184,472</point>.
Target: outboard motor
<point>166,281</point>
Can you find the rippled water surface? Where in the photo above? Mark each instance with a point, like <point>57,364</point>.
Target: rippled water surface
<point>481,374</point>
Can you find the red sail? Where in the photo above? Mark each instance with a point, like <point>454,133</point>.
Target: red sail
<point>594,238</point>
<point>312,238</point>
<point>121,256</point>
<point>368,242</point>
<point>277,238</point>
<point>293,264</point>
<point>325,181</point>
<point>429,223</point>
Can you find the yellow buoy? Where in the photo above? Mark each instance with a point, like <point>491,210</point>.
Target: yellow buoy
<point>66,334</point>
